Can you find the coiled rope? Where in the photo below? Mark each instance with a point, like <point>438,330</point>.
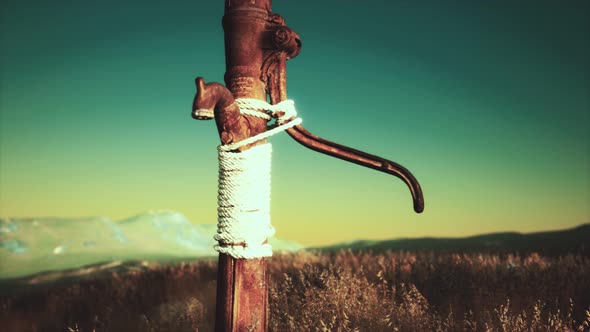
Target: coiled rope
<point>244,184</point>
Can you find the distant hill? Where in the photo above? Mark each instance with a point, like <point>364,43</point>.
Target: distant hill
<point>49,248</point>
<point>29,246</point>
<point>574,240</point>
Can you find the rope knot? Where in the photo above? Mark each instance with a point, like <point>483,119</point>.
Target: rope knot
<point>283,112</point>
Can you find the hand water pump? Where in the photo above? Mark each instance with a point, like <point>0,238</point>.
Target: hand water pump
<point>258,44</point>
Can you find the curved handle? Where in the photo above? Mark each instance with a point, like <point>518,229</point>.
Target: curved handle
<point>324,146</point>
<point>286,45</point>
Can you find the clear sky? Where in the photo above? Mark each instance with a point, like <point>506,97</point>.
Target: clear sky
<point>486,102</point>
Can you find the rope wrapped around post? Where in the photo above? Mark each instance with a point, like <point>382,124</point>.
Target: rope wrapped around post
<point>244,185</point>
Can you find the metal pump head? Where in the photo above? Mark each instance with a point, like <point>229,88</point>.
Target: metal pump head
<point>266,47</point>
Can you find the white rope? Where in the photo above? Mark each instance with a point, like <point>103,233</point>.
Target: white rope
<point>244,185</point>
<point>284,113</point>
<point>266,134</point>
<point>244,203</point>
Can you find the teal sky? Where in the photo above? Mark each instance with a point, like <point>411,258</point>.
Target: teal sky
<point>487,103</point>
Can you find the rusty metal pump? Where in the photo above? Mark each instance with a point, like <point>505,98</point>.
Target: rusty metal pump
<point>258,44</point>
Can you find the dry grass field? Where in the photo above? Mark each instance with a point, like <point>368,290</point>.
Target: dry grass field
<point>338,291</point>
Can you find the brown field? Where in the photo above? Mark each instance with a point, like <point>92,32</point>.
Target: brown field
<point>341,291</point>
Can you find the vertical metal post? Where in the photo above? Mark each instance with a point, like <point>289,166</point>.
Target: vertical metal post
<point>242,288</point>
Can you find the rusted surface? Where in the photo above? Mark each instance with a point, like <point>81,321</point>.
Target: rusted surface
<point>214,100</point>
<point>258,44</point>
<point>241,294</point>
<point>224,318</point>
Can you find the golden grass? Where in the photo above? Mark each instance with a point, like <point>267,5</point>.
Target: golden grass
<point>343,291</point>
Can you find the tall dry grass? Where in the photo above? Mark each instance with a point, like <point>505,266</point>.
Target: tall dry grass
<point>342,291</point>
<point>395,291</point>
